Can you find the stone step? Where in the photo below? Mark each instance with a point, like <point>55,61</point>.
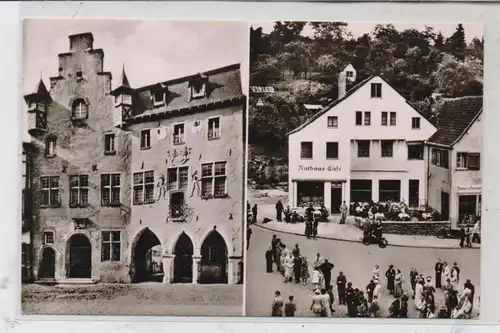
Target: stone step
<point>76,281</point>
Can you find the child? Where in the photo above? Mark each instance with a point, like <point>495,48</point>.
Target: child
<point>315,278</point>
<point>290,307</point>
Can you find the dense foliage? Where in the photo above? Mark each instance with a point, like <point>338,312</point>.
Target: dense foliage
<point>303,70</point>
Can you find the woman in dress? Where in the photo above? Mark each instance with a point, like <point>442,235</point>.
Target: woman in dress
<point>277,306</point>
<point>288,264</point>
<point>398,284</point>
<point>317,302</point>
<point>315,278</point>
<point>446,272</point>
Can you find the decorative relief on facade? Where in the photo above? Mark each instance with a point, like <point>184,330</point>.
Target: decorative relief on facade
<point>162,185</point>
<point>196,184</point>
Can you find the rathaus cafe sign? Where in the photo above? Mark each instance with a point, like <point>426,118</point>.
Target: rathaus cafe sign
<point>331,168</point>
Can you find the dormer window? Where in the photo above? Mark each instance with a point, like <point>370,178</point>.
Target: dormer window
<point>158,98</point>
<point>198,88</point>
<point>349,74</point>
<point>79,110</point>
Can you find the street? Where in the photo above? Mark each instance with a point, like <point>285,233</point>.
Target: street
<point>145,299</point>
<point>356,261</point>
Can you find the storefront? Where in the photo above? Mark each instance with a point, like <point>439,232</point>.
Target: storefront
<point>319,193</point>
<point>468,203</point>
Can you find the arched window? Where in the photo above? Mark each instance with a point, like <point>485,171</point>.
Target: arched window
<point>80,110</point>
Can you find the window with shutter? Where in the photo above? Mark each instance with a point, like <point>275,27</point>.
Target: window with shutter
<point>473,161</point>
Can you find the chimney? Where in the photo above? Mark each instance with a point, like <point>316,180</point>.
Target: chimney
<point>342,85</point>
<point>81,42</point>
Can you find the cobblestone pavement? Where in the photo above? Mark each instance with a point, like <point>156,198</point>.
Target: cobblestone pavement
<point>356,261</point>
<point>145,299</point>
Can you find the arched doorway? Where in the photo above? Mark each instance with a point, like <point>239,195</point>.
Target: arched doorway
<point>80,257</point>
<point>147,258</point>
<point>183,261</point>
<point>213,259</point>
<point>47,268</point>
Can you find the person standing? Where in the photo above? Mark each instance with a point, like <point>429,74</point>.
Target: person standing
<point>462,236</point>
<point>343,213</point>
<point>331,298</point>
<point>395,308</point>
<point>317,303</point>
<point>279,210</point>
<point>455,269</point>
<point>398,284</point>
<point>351,300</point>
<point>297,268</point>
<point>274,248</point>
<point>470,286</point>
<point>468,237</point>
<point>341,281</point>
<point>290,307</point>
<point>476,232</point>
<point>369,290</point>
<point>438,268</point>
<point>315,278</point>
<point>376,272</point>
<point>296,250</point>
<point>254,213</point>
<point>390,274</point>
<point>277,306</point>
<point>413,280</point>
<point>315,228</point>
<point>377,289</point>
<point>304,271</point>
<point>269,260</point>
<point>249,234</point>
<point>403,312</point>
<point>317,262</point>
<point>326,269</point>
<point>419,291</point>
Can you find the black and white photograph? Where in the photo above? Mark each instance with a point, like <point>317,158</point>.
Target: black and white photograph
<point>134,167</point>
<point>365,143</point>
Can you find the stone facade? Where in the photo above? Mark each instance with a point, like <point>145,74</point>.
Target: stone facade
<point>89,220</point>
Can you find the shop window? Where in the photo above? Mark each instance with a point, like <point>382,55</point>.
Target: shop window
<point>310,193</point>
<point>389,190</point>
<point>361,190</point>
<point>467,208</point>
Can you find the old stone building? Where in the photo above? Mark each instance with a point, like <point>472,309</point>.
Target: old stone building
<point>137,184</point>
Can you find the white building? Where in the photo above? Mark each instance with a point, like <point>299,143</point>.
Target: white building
<point>455,159</point>
<point>367,145</point>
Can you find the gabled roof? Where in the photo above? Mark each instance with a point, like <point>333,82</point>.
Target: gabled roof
<point>331,105</point>
<point>455,117</point>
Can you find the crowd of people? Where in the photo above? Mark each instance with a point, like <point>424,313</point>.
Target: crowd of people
<point>366,302</point>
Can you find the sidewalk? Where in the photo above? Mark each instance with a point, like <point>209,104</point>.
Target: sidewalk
<point>350,233</point>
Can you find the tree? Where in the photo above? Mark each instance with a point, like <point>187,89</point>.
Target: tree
<point>456,43</point>
<point>457,78</point>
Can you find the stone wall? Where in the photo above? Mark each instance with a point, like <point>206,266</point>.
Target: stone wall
<point>409,228</point>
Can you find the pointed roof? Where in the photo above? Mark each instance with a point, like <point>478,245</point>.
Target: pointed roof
<point>40,90</point>
<point>124,79</point>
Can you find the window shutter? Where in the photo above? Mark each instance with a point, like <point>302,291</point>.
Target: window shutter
<point>473,161</point>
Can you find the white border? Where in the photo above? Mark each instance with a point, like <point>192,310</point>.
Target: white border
<point>11,15</point>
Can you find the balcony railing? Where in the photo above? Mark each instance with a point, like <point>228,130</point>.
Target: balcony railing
<point>178,213</point>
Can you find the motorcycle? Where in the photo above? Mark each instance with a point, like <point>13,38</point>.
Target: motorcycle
<point>381,242</point>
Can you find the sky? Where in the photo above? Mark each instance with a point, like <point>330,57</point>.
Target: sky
<point>151,50</point>
<point>359,28</point>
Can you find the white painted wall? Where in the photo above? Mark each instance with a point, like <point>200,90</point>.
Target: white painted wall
<point>348,165</point>
<point>466,181</point>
